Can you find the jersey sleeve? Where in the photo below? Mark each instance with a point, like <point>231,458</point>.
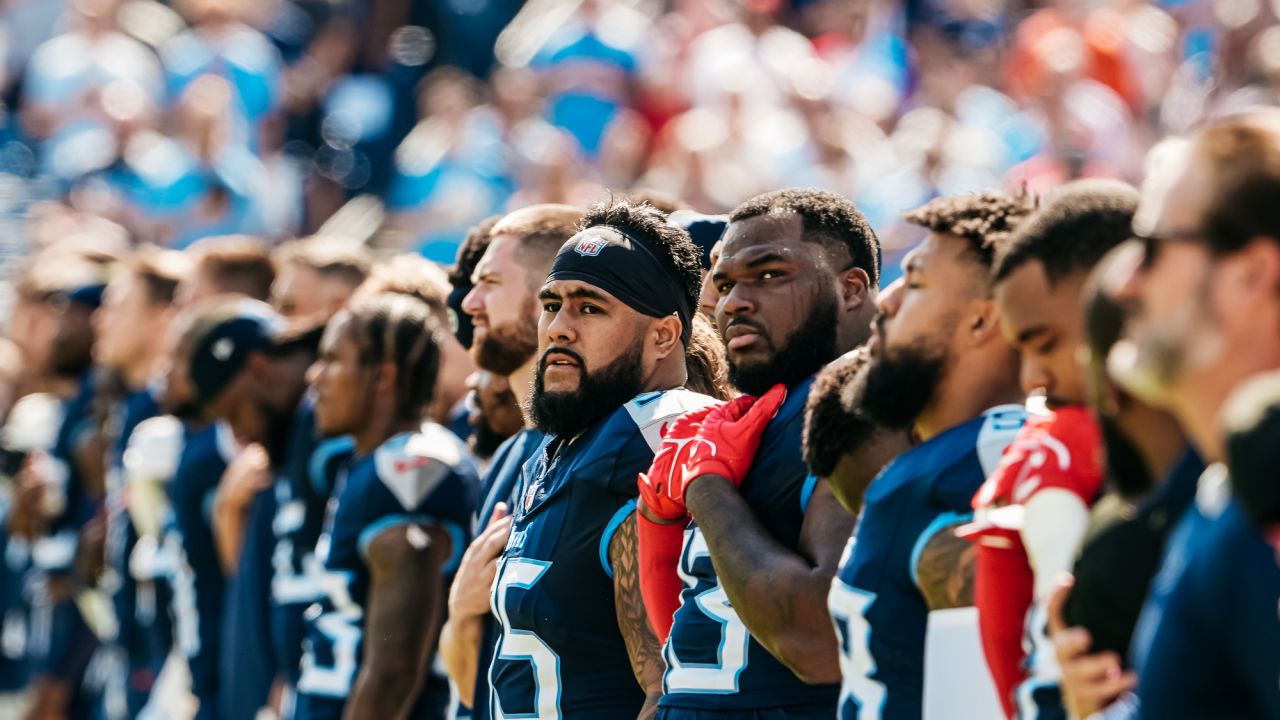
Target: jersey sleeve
<point>429,481</point>
<point>1063,453</point>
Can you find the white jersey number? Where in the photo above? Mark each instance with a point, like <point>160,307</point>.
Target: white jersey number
<point>720,677</point>
<point>524,645</point>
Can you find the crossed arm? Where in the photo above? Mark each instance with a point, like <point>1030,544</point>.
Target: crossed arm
<point>779,594</point>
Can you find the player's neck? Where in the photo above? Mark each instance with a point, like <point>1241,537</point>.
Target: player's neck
<point>378,431</point>
<point>962,396</point>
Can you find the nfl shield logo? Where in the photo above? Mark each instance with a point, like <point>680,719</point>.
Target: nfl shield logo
<point>589,247</point>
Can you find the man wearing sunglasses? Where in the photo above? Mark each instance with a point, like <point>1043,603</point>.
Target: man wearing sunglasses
<point>1204,311</point>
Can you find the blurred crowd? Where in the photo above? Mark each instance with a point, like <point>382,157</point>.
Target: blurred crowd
<point>194,118</point>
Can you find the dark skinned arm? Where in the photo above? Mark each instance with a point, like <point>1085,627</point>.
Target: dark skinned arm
<point>945,570</point>
<point>642,645</point>
<point>779,595</point>
<point>406,602</point>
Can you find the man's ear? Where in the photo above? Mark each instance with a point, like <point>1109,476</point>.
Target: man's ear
<point>1257,269</point>
<point>855,289</point>
<point>982,322</point>
<point>664,334</point>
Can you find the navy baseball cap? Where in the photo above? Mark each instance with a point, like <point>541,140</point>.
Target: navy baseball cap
<point>231,333</point>
<point>704,229</point>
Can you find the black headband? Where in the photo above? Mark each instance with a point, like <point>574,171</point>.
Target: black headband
<point>624,266</point>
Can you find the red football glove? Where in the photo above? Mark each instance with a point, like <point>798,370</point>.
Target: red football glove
<point>661,488</point>
<point>729,436</point>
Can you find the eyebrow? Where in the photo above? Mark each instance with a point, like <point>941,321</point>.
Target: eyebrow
<point>764,259</point>
<point>1031,332</point>
<point>577,294</point>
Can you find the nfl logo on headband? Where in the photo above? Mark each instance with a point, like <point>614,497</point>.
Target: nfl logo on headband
<point>589,246</point>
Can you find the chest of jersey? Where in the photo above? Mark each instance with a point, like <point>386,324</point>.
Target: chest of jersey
<point>712,660</point>
<point>879,613</point>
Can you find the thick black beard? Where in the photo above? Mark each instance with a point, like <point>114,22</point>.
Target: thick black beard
<point>899,388</point>
<point>810,347</point>
<point>599,394</point>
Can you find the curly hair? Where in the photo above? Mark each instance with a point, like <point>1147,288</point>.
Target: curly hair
<point>671,244</point>
<point>705,361</point>
<point>401,329</point>
<point>833,425</point>
<point>985,220</point>
<point>829,219</point>
<point>1075,226</point>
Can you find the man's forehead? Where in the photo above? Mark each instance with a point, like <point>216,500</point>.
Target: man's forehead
<point>1173,193</point>
<point>498,255</point>
<point>773,229</point>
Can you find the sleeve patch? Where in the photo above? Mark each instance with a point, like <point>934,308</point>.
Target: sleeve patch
<point>650,411</point>
<point>408,471</point>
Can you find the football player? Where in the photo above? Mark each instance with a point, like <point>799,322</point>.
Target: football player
<point>54,498</point>
<point>940,368</point>
<point>136,309</point>
<point>1032,513</point>
<point>503,308</point>
<point>617,308</point>
<point>1203,299</point>
<point>796,279</point>
<point>249,370</point>
<point>396,526</point>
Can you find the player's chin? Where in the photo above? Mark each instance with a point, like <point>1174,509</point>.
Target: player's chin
<point>561,378</point>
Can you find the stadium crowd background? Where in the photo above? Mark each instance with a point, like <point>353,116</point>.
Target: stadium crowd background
<point>421,118</point>
<point>402,126</point>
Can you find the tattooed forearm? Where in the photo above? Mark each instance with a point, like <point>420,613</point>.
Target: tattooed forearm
<point>946,569</point>
<point>642,644</point>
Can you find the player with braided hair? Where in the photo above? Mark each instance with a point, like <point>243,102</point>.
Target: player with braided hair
<point>397,529</point>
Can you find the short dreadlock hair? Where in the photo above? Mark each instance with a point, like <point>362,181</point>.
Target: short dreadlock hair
<point>834,426</point>
<point>985,220</point>
<point>829,220</point>
<point>400,329</point>
<point>1075,226</point>
<point>672,245</point>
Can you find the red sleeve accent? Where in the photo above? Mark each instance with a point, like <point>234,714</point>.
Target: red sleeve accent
<point>1002,591</point>
<point>660,584</point>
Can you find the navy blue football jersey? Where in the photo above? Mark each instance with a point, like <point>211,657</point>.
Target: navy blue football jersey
<point>879,613</point>
<point>500,485</point>
<point>55,552</point>
<point>1208,641</point>
<point>143,630</point>
<point>419,478</point>
<point>248,662</point>
<point>198,582</point>
<point>713,663</point>
<point>560,653</point>
<point>304,483</point>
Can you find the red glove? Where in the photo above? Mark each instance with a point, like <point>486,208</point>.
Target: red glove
<point>729,437</point>
<point>660,584</point>
<point>660,488</point>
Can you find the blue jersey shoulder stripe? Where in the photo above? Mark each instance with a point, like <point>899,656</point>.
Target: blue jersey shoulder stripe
<point>939,522</point>
<point>606,538</point>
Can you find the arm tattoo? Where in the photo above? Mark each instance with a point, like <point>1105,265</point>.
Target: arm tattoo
<point>633,621</point>
<point>945,570</point>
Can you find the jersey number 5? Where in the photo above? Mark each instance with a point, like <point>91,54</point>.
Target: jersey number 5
<point>720,677</point>
<point>518,645</point>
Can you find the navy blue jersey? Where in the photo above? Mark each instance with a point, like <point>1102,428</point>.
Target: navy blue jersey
<point>303,486</point>
<point>143,631</point>
<point>55,552</point>
<point>879,612</point>
<point>713,663</point>
<point>560,652</point>
<point>15,560</point>
<point>248,663</point>
<point>500,485</point>
<point>1208,641</point>
<point>422,478</point>
<point>198,582</point>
